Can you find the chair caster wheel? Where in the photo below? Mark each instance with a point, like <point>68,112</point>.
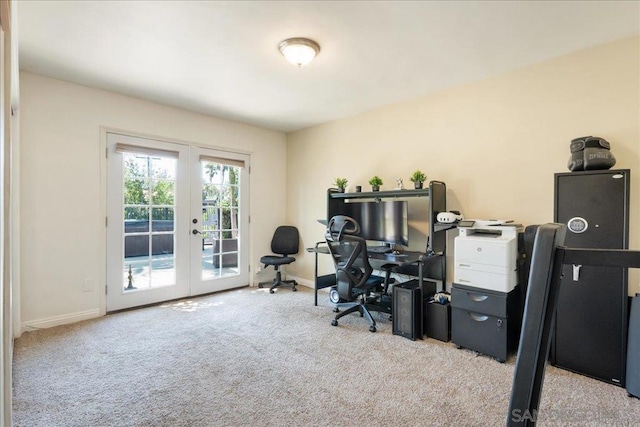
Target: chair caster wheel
<point>501,360</point>
<point>294,290</point>
<point>271,291</point>
<point>334,322</point>
<point>372,328</point>
<point>361,315</point>
<point>336,310</point>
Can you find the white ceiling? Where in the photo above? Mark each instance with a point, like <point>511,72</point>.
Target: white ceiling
<point>222,58</point>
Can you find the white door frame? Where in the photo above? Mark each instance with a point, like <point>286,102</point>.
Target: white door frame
<point>184,227</point>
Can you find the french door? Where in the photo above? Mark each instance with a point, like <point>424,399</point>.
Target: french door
<point>177,221</point>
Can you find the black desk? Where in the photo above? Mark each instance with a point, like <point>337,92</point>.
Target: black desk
<point>407,258</point>
<point>321,282</point>
<point>407,263</point>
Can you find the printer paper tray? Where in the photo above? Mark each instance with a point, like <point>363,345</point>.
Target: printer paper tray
<point>486,280</point>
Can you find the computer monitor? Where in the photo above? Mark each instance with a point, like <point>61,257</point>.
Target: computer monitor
<point>384,221</point>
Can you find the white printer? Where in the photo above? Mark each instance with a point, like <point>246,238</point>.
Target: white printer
<point>486,253</point>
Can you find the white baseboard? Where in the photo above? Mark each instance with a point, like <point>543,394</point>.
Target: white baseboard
<point>65,319</point>
<point>301,281</point>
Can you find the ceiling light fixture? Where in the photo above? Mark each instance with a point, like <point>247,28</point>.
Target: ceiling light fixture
<point>299,51</point>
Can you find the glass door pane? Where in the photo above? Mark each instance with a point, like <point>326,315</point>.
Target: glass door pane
<point>148,192</point>
<point>149,206</point>
<point>222,264</point>
<point>219,220</point>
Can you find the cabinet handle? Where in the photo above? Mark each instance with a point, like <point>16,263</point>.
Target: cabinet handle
<point>477,298</point>
<point>478,317</point>
<point>576,272</point>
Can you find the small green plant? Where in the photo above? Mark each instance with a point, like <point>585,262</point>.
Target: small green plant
<point>418,176</point>
<point>341,183</point>
<point>376,180</point>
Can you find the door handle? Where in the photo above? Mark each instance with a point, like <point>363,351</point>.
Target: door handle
<point>194,232</point>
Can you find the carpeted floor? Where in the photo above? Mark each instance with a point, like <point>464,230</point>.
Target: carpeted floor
<point>246,357</point>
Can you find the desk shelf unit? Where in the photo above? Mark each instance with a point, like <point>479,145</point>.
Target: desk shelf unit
<point>437,194</point>
<point>435,267</point>
<point>437,238</point>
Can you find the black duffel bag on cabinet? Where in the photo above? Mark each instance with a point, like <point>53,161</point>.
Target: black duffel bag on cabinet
<point>590,153</point>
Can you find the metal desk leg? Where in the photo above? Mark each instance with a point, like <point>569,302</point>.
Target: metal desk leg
<point>422,291</point>
<point>315,279</point>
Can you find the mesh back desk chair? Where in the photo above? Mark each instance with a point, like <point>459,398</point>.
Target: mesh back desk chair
<point>353,282</point>
<point>285,242</point>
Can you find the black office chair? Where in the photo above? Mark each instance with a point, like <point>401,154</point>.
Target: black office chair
<point>353,283</point>
<point>285,243</point>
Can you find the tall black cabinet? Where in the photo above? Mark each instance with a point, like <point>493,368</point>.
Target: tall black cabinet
<point>591,322</point>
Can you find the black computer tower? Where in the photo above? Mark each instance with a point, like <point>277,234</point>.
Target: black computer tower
<point>407,319</point>
<point>590,334</point>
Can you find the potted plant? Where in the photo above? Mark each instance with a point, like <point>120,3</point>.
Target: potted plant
<point>341,183</point>
<point>375,183</point>
<point>418,178</point>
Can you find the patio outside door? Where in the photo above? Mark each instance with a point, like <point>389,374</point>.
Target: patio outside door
<point>177,222</point>
<point>219,220</point>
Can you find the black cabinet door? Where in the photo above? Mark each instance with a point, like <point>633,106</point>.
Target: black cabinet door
<point>598,204</point>
<point>591,322</point>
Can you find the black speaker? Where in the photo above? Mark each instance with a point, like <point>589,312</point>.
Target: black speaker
<point>406,310</point>
<point>633,349</point>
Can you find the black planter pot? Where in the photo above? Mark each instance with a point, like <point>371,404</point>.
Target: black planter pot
<point>417,185</point>
<point>375,188</point>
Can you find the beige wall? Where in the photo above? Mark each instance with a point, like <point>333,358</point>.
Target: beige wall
<point>496,143</point>
<point>62,193</point>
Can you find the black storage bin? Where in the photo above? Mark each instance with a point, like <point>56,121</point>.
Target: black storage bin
<point>437,320</point>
